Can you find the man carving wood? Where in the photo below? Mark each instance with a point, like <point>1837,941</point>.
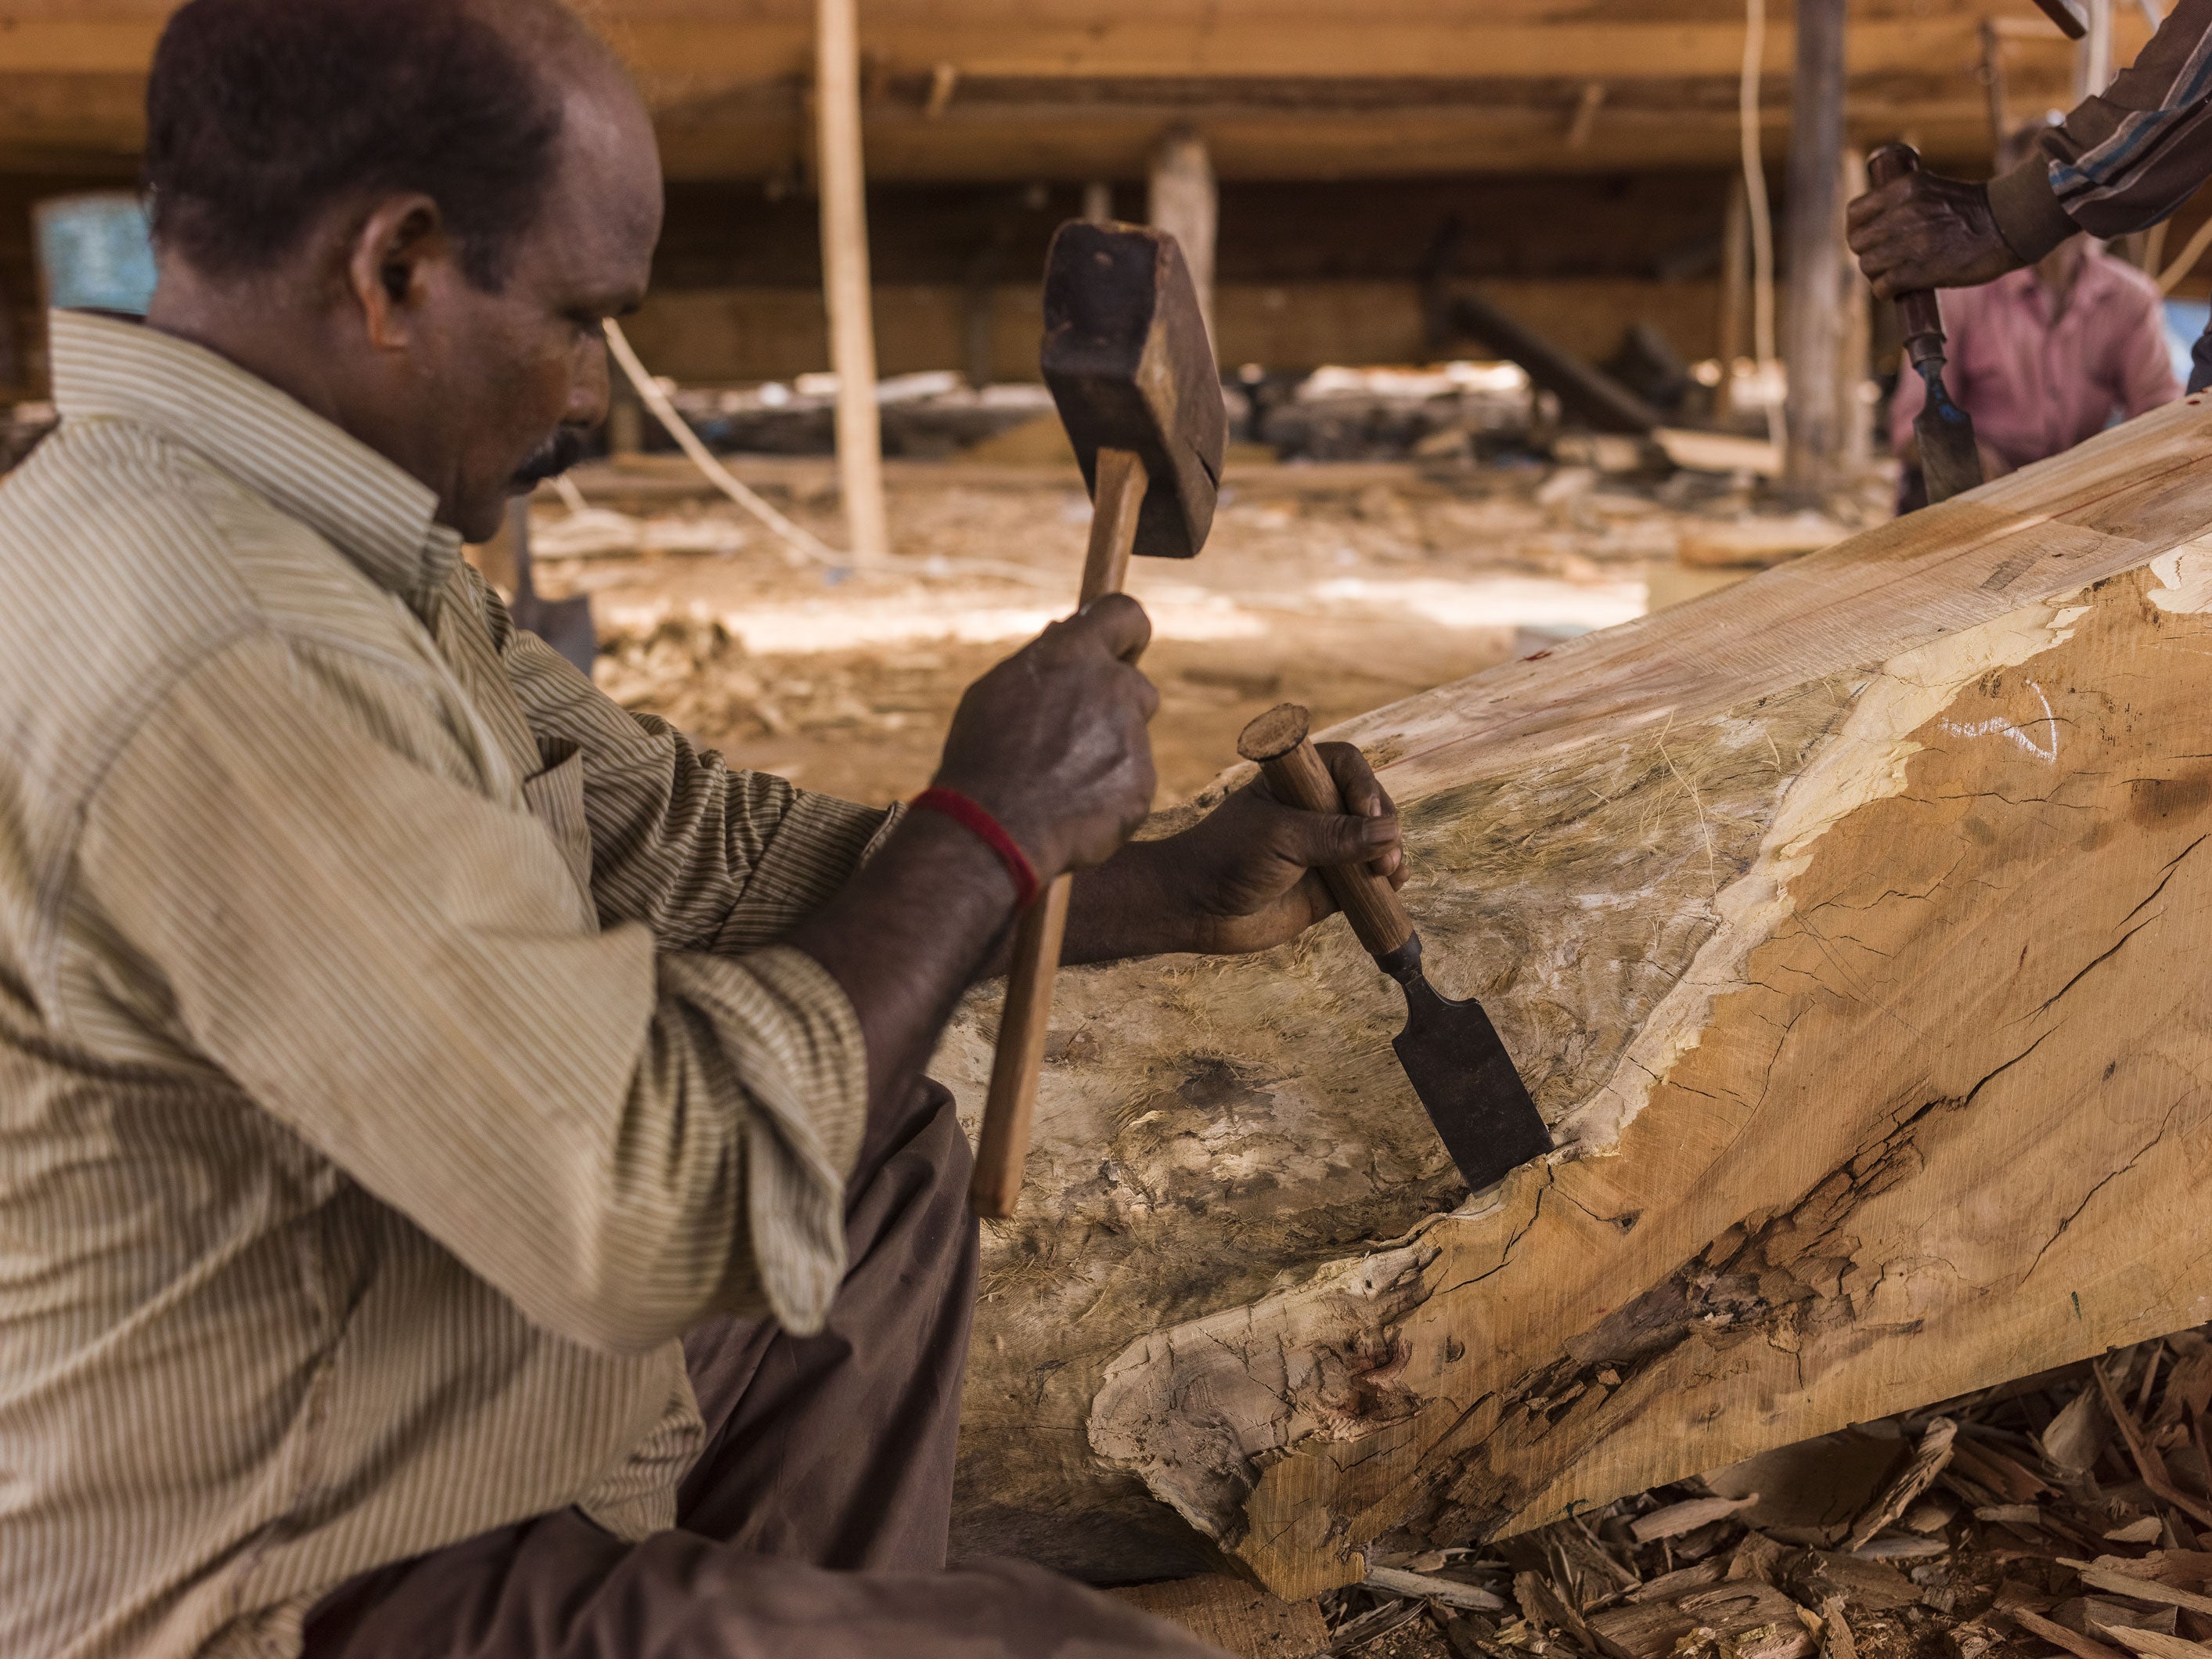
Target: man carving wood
<point>466,1182</point>
<point>2122,158</point>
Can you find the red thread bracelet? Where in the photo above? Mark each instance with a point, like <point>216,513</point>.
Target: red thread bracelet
<point>987,830</point>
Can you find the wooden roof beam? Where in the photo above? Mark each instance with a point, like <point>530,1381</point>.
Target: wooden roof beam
<point>714,50</point>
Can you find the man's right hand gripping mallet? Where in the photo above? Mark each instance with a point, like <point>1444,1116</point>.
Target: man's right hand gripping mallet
<point>1127,356</point>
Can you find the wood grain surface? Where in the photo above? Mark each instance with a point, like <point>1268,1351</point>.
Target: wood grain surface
<point>1845,925</point>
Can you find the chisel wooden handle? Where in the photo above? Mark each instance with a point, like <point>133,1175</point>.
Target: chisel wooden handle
<point>1296,772</point>
<point>1921,317</point>
<point>2071,24</point>
<point>1004,1146</point>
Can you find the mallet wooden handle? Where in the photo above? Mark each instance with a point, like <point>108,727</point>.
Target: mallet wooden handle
<point>1296,772</point>
<point>1921,317</point>
<point>1004,1147</point>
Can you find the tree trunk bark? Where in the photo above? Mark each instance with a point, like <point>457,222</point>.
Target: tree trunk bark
<point>1846,926</point>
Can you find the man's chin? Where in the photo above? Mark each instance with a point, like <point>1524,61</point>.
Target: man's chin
<point>479,521</point>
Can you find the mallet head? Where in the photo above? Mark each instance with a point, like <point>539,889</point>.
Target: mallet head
<point>1127,356</point>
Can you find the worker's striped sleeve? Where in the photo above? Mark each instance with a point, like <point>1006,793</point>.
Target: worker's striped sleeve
<point>2126,157</point>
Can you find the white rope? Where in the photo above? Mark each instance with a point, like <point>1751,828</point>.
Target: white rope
<point>730,484</point>
<point>571,497</point>
<point>721,477</point>
<point>1754,197</point>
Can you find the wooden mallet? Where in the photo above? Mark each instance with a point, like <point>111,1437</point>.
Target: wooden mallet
<point>1127,356</point>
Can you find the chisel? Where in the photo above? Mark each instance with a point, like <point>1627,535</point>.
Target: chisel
<point>1459,1068</point>
<point>1950,459</point>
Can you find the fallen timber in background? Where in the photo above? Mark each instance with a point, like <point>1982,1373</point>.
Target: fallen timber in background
<point>1847,925</point>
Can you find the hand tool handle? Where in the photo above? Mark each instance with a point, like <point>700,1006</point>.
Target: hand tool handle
<point>2069,21</point>
<point>1923,319</point>
<point>1004,1147</point>
<point>1296,772</point>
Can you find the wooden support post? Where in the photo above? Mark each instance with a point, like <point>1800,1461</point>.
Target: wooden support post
<point>1993,87</point>
<point>1098,202</point>
<point>1185,203</point>
<point>1854,393</point>
<point>1815,242</point>
<point>943,81</point>
<point>1735,293</point>
<point>979,306</point>
<point>845,278</point>
<point>1584,120</point>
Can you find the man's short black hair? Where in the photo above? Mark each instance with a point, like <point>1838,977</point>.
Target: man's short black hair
<point>262,114</point>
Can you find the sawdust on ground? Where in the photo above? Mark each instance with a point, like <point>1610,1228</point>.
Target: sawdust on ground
<point>2067,1513</point>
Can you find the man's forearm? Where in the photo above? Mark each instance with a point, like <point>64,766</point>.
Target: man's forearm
<point>2139,147</point>
<point>918,925</point>
<point>1117,911</point>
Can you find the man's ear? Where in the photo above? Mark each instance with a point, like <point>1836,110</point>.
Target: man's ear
<point>389,266</point>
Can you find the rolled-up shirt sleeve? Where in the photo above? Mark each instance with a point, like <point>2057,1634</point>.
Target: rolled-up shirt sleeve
<point>709,857</point>
<point>406,971</point>
<point>2125,157</point>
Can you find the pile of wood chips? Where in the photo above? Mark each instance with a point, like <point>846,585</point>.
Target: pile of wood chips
<point>2067,1513</point>
<point>693,673</point>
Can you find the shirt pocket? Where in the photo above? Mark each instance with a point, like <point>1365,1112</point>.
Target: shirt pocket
<point>555,798</point>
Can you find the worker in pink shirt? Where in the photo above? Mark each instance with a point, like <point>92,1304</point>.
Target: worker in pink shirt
<point>2045,357</point>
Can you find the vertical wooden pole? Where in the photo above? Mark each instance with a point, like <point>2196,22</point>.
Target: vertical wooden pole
<point>1098,202</point>
<point>1814,235</point>
<point>1993,86</point>
<point>1583,122</point>
<point>1735,293</point>
<point>1186,203</point>
<point>1855,407</point>
<point>845,278</point>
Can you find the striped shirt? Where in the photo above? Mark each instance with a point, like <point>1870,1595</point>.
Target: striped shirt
<point>2124,158</point>
<point>396,1051</point>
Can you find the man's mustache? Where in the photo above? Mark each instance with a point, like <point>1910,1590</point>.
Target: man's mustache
<point>550,459</point>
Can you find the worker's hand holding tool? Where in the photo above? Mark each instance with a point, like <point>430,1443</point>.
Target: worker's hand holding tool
<point>1925,231</point>
<point>1052,742</point>
<point>1950,456</point>
<point>1245,879</point>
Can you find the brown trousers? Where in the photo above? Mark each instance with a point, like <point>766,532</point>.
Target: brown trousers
<point>814,1525</point>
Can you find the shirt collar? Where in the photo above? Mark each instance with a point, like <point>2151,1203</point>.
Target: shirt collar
<point>380,517</point>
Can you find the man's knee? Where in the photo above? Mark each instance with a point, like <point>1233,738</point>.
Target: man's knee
<point>914,1178</point>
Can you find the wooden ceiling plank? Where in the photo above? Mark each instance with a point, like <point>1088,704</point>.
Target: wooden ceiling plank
<point>771,49</point>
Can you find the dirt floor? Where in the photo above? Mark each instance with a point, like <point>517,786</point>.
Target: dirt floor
<point>1342,588</point>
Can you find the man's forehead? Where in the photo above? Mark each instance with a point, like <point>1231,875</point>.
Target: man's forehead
<point>607,200</point>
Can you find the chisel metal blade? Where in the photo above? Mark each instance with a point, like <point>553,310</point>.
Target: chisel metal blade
<point>1467,1082</point>
<point>1950,459</point>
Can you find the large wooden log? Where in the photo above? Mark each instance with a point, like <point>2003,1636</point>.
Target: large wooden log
<point>1848,924</point>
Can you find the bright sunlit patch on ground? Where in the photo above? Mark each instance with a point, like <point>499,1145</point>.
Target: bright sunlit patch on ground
<point>825,625</point>
<point>1495,601</point>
